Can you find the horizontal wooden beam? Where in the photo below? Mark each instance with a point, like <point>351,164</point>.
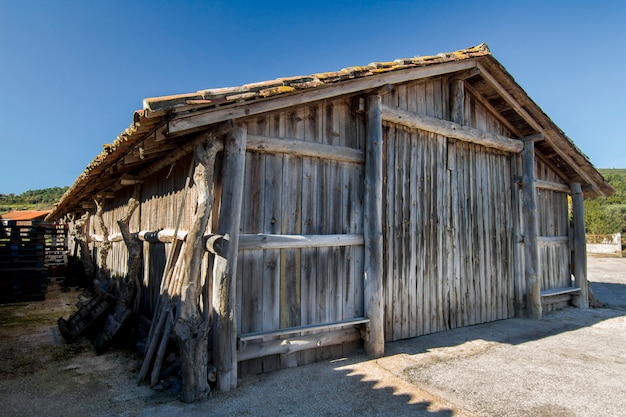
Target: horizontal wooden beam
<point>266,241</point>
<point>560,291</point>
<point>216,243</point>
<point>297,147</point>
<point>552,240</point>
<point>247,337</point>
<point>297,343</point>
<point>162,236</point>
<point>199,119</point>
<point>451,130</point>
<point>114,237</point>
<point>552,186</point>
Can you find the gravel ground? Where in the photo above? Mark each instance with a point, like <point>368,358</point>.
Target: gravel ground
<point>571,363</point>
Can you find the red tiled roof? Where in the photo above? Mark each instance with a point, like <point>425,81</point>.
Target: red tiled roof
<point>26,215</point>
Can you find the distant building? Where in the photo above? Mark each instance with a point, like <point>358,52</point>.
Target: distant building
<point>21,215</point>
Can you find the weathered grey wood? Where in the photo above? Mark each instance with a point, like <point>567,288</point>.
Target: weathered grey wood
<point>552,186</point>
<point>552,240</point>
<point>580,246</point>
<point>225,269</point>
<point>197,120</point>
<point>531,250</point>
<point>296,147</point>
<point>104,273</point>
<point>298,343</point>
<point>301,329</point>
<point>457,101</point>
<point>451,129</point>
<point>163,236</point>
<point>559,291</point>
<point>269,241</point>
<point>131,293</point>
<point>373,214</point>
<point>191,324</point>
<point>519,109</point>
<point>101,239</point>
<point>272,222</point>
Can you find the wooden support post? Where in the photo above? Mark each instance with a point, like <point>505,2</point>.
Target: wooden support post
<point>531,248</point>
<point>373,228</point>
<point>580,246</point>
<point>225,268</point>
<point>457,101</point>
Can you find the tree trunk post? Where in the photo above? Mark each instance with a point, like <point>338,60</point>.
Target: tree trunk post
<point>373,229</point>
<point>580,246</point>
<point>225,268</point>
<point>191,326</point>
<point>131,295</point>
<point>531,248</point>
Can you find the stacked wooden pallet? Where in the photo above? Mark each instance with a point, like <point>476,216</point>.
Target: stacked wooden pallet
<point>23,275</point>
<point>55,250</point>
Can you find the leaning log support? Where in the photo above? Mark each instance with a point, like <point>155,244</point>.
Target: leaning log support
<point>191,325</point>
<point>225,267</point>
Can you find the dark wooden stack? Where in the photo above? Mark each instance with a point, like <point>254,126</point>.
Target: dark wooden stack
<point>55,250</point>
<point>23,275</point>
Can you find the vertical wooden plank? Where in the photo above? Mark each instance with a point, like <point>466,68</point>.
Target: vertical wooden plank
<point>457,101</point>
<point>413,196</point>
<point>580,250</point>
<point>291,224</point>
<point>461,235</point>
<point>313,125</point>
<point>389,242</point>
<point>497,198</point>
<point>429,259</point>
<point>454,261</point>
<point>422,221</point>
<point>531,253</point>
<point>225,270</point>
<point>441,210</point>
<point>272,219</point>
<point>375,343</point>
<point>251,274</point>
<point>482,236</point>
<point>472,227</point>
<point>336,268</point>
<point>398,278</point>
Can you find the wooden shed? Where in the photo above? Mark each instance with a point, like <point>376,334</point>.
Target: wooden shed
<point>282,222</point>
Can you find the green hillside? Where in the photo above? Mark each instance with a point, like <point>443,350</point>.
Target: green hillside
<point>31,199</point>
<point>607,215</point>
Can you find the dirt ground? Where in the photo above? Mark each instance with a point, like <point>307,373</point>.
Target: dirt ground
<point>571,363</point>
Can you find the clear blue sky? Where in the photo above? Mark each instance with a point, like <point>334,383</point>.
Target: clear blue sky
<point>73,72</point>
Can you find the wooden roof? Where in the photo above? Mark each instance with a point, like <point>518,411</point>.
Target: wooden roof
<point>156,138</point>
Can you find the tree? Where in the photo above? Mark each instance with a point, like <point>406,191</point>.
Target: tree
<point>607,215</point>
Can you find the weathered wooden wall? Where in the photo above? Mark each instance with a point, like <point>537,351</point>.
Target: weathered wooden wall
<point>293,195</point>
<point>449,222</point>
<point>555,245</point>
<point>452,223</point>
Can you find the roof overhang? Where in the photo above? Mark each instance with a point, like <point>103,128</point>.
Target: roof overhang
<point>160,132</point>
